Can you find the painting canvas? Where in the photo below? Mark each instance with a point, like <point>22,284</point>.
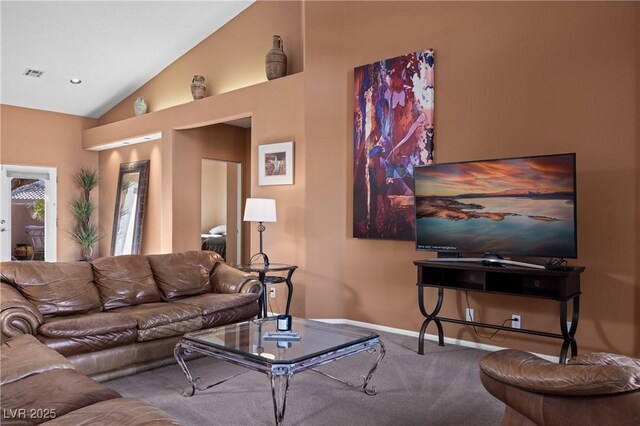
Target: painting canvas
<point>393,132</point>
<point>275,164</point>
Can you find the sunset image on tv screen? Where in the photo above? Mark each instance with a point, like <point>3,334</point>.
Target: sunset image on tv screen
<point>519,206</point>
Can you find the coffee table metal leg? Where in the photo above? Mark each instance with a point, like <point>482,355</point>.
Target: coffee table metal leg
<point>178,356</point>
<point>280,377</point>
<point>366,379</point>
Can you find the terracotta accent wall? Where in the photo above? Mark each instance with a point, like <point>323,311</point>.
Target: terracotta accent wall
<point>512,79</point>
<point>216,142</point>
<point>277,115</point>
<point>231,58</point>
<point>41,138</point>
<point>213,195</point>
<point>153,233</point>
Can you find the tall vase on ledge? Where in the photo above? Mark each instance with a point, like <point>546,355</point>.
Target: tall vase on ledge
<point>198,87</point>
<point>276,60</point>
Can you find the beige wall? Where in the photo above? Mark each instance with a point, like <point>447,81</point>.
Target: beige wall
<point>213,195</point>
<point>230,59</point>
<point>277,115</point>
<point>217,142</point>
<point>153,233</point>
<point>41,138</point>
<point>512,79</point>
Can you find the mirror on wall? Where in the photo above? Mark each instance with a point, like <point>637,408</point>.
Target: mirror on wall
<point>129,212</point>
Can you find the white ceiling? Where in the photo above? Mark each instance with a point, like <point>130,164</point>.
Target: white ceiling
<point>114,47</point>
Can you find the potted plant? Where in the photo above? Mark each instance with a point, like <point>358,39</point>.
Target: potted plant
<point>85,233</point>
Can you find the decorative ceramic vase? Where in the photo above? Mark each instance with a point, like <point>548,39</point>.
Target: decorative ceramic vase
<point>140,106</point>
<point>198,88</point>
<point>87,252</point>
<point>276,61</point>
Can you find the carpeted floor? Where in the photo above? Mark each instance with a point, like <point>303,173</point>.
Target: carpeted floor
<point>440,388</point>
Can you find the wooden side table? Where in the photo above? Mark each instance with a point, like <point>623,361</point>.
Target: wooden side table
<point>266,278</point>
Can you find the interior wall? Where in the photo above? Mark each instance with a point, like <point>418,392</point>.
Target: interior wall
<point>109,163</point>
<point>213,194</point>
<point>217,142</point>
<point>41,138</point>
<point>512,79</point>
<point>234,209</point>
<point>231,58</point>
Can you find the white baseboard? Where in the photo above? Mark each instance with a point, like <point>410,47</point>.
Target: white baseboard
<point>448,340</point>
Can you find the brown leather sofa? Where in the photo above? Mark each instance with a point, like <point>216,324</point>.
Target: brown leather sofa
<point>592,389</point>
<point>40,386</point>
<point>122,314</point>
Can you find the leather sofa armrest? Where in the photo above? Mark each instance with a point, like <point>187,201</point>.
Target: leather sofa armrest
<point>227,279</point>
<point>534,374</point>
<point>603,358</point>
<point>17,314</point>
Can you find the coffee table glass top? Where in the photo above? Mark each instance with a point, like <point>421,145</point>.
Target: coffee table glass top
<point>246,339</point>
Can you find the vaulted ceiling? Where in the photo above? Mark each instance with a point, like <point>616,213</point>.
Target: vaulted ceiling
<point>113,47</point>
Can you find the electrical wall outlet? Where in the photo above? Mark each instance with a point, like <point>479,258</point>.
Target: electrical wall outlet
<point>515,320</point>
<point>469,315</point>
<point>272,293</point>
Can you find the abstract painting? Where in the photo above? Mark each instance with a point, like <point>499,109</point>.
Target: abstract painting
<point>392,133</point>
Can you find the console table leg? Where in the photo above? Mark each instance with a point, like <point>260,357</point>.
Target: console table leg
<point>280,378</point>
<point>568,334</point>
<point>290,289</point>
<point>430,316</point>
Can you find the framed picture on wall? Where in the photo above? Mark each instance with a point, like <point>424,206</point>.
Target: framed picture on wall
<point>275,164</point>
<point>393,132</point>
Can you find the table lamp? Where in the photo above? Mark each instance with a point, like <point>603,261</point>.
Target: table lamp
<point>260,210</point>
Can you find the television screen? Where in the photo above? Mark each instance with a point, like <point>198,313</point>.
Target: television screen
<point>516,207</point>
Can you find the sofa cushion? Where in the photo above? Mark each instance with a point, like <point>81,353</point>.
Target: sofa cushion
<point>61,288</point>
<point>88,333</point>
<point>69,346</point>
<point>23,356</point>
<point>219,309</point>
<point>212,302</point>
<point>183,274</point>
<point>87,325</point>
<point>49,395</point>
<point>158,320</point>
<point>125,281</point>
<point>118,411</point>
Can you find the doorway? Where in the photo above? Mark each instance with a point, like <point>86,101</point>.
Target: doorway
<point>221,184</point>
<point>28,213</point>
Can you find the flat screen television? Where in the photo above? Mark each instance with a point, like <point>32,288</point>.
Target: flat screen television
<point>504,207</point>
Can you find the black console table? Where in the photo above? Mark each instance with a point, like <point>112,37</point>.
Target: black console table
<point>562,286</point>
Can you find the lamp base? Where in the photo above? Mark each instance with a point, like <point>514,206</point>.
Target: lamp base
<point>265,259</point>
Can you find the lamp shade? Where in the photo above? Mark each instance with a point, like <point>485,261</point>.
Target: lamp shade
<point>260,210</point>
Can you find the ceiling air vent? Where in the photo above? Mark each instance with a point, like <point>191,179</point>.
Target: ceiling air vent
<point>29,72</point>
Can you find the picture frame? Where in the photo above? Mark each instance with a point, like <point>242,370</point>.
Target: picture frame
<point>275,164</point>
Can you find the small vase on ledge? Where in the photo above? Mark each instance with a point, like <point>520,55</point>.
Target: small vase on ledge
<point>198,87</point>
<point>276,60</point>
<point>140,106</point>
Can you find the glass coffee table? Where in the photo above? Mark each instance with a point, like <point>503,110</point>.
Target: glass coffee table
<point>245,344</point>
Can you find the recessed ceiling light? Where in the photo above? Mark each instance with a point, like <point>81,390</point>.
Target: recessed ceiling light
<point>75,81</point>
